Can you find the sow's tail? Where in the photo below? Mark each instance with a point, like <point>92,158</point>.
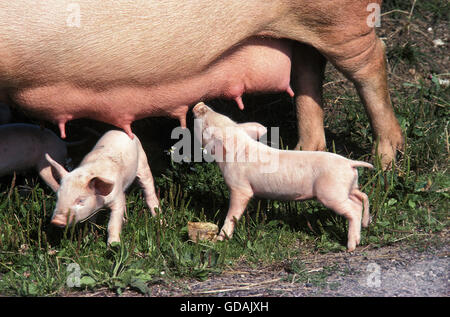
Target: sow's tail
<point>360,164</point>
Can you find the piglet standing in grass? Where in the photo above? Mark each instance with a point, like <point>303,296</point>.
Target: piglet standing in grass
<point>251,168</point>
<point>101,180</point>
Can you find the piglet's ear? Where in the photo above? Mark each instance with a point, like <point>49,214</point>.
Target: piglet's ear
<point>101,186</point>
<point>254,129</point>
<point>56,167</point>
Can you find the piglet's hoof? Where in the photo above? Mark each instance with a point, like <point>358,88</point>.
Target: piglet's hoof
<point>114,242</point>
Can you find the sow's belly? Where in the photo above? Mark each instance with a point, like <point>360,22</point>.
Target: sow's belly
<point>257,65</point>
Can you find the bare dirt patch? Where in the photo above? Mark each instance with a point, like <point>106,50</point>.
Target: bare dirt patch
<point>400,270</point>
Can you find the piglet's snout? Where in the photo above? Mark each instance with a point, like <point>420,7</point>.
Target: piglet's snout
<point>199,109</point>
<point>60,220</point>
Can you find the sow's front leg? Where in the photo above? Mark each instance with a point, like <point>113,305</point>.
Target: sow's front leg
<point>308,72</point>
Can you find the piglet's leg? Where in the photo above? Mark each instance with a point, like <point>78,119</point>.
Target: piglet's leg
<point>336,195</point>
<point>116,219</point>
<point>238,203</point>
<point>352,211</point>
<point>145,179</point>
<point>360,197</point>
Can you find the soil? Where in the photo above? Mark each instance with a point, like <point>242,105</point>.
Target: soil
<point>389,271</point>
<point>399,270</point>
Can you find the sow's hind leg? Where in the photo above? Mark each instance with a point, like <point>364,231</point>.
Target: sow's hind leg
<point>365,65</point>
<point>343,32</point>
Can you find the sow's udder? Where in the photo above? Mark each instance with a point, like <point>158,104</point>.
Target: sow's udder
<point>258,65</point>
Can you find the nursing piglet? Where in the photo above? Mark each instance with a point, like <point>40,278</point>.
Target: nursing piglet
<point>251,168</point>
<point>101,180</point>
<point>23,146</point>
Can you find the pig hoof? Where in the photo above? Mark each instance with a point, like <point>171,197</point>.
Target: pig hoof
<point>112,241</point>
<point>311,146</point>
<point>219,238</point>
<point>351,247</point>
<point>222,237</point>
<point>163,222</point>
<point>387,151</point>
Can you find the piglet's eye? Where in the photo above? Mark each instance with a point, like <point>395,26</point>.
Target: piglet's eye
<point>79,201</point>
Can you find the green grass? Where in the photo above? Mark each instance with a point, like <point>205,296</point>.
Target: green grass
<point>409,203</point>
